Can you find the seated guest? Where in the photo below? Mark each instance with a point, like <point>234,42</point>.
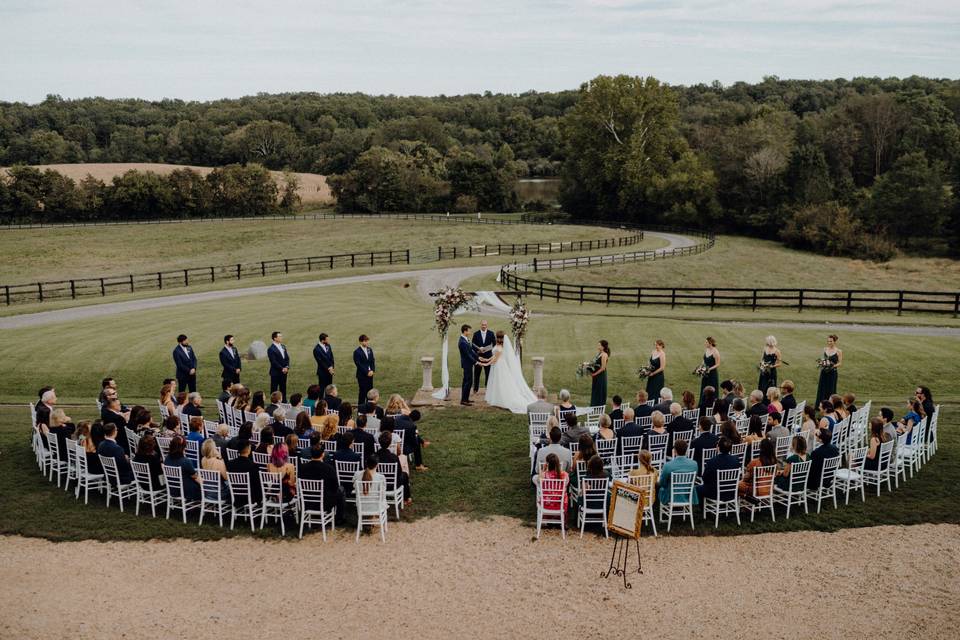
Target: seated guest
<point>838,407</point>
<point>60,428</point>
<point>711,468</point>
<point>755,431</point>
<point>645,468</point>
<point>666,399</point>
<point>314,392</point>
<point>242,401</point>
<point>266,440</point>
<point>280,463</point>
<point>331,396</point>
<point>170,427</point>
<point>293,444</point>
<point>910,419</point>
<point>396,405</point>
<point>586,449</point>
<point>729,431</point>
<point>149,454</point>
<point>243,464</point>
<point>565,406</point>
<point>318,469</point>
<point>368,473</point>
<point>412,441</point>
<point>680,463</point>
<point>370,411</point>
<point>362,437</point>
<point>167,398</point>
<point>176,457</point>
<point>279,424</point>
<point>642,409</point>
<point>373,407</point>
<point>224,396</point>
<point>706,439</point>
<point>196,433</point>
<point>275,399</point>
<point>112,412</point>
<point>616,410</point>
<point>787,401</point>
<point>211,461</point>
<point>775,430</point>
<point>244,434</point>
<point>328,426</point>
<point>758,407</point>
<point>657,428</point>
<point>573,430</point>
<point>630,429</point>
<point>91,444</point>
<point>345,415</point>
<point>725,398</point>
<point>925,396</point>
<point>773,401</point>
<point>877,438</point>
<point>48,400</point>
<point>818,455</point>
<point>141,420</point>
<point>828,416</point>
<point>106,383</point>
<point>296,403</point>
<point>345,452</point>
<point>110,449</point>
<point>808,427</point>
<point>605,432</point>
<point>595,470</point>
<point>261,421</point>
<point>554,471</point>
<point>222,436</point>
<point>258,402</point>
<point>767,457</point>
<point>303,427</point>
<point>688,401</point>
<point>708,403</point>
<point>678,423</point>
<point>562,452</point>
<point>401,479</point>
<point>737,410</point>
<point>182,399</point>
<point>540,405</point>
<point>798,453</point>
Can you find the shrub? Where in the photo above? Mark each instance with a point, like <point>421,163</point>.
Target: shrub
<point>831,229</point>
<point>466,204</point>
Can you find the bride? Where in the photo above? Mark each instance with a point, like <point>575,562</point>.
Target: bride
<point>506,387</point>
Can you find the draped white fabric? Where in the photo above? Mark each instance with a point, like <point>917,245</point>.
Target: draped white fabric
<point>444,390</point>
<point>507,387</point>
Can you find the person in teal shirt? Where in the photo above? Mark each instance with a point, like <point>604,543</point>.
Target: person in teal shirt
<point>680,463</point>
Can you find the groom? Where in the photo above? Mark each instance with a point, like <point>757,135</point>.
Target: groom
<point>468,358</point>
<point>483,341</point>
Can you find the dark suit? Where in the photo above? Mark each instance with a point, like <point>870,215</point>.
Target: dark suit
<point>480,340</point>
<point>184,362</point>
<point>717,463</point>
<point>282,430</point>
<point>411,440</point>
<point>401,479</point>
<point>365,364</point>
<point>468,358</point>
<point>110,449</point>
<point>192,410</point>
<point>705,440</point>
<point>109,416</point>
<point>759,409</point>
<point>362,437</point>
<point>323,354</point>
<point>678,424</point>
<point>332,494</point>
<point>278,362</point>
<point>616,414</point>
<point>230,361</point>
<point>249,467</point>
<point>642,411</point>
<point>43,414</point>
<point>628,430</point>
<point>817,456</point>
<point>333,402</point>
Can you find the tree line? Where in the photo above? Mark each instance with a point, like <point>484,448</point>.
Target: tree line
<point>846,167</point>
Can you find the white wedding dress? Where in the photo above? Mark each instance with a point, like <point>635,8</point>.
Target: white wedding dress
<point>506,387</point>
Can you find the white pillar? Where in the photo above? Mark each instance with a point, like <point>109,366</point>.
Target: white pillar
<point>427,363</point>
<point>537,373</point>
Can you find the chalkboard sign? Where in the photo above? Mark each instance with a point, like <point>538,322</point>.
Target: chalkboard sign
<point>626,510</point>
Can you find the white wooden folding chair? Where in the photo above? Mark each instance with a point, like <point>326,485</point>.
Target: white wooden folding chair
<point>345,472</point>
<point>243,503</point>
<point>592,507</point>
<point>850,478</point>
<point>679,498</point>
<point>176,493</point>
<point>274,506</point>
<point>57,467</point>
<point>371,506</point>
<point>880,475</point>
<point>761,491</point>
<point>113,485</point>
<point>146,492</point>
<point>826,489</point>
<point>550,503</point>
<point>393,492</point>
<point>796,491</point>
<point>310,507</point>
<point>646,485</point>
<point>727,498</point>
<point>85,479</point>
<point>212,496</point>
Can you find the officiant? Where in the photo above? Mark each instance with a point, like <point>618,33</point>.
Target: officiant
<point>483,341</point>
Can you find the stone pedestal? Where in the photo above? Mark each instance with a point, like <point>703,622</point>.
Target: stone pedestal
<point>427,363</point>
<point>538,374</point>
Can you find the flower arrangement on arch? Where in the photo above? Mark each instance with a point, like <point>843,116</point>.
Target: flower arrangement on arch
<point>519,318</point>
<point>448,301</point>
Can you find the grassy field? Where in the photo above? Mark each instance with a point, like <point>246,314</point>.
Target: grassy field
<point>748,263</point>
<point>77,252</point>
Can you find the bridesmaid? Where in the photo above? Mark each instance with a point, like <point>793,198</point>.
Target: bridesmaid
<point>598,388</point>
<point>828,376</point>
<point>658,362</point>
<point>771,356</point>
<point>711,360</point>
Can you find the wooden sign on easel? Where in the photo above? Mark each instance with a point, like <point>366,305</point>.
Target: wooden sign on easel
<point>625,516</point>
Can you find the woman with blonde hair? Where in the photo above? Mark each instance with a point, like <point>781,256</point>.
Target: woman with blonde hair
<point>770,361</point>
<point>212,461</point>
<point>773,398</point>
<point>396,405</point>
<point>261,421</point>
<point>644,468</point>
<point>326,425</point>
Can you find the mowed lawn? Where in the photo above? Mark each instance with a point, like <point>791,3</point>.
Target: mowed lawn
<point>65,253</point>
<point>478,459</point>
<point>738,262</point>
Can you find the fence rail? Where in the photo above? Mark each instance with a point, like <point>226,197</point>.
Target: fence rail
<point>486,250</point>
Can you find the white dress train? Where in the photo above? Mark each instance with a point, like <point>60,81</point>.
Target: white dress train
<point>506,387</point>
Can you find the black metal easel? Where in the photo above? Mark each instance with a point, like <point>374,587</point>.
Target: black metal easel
<point>618,559</point>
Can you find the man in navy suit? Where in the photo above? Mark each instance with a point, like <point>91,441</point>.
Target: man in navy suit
<point>230,361</point>
<point>279,364</point>
<point>483,340</point>
<point>366,367</point>
<point>323,354</point>
<point>720,462</point>
<point>186,362</point>
<point>110,449</point>
<point>468,358</point>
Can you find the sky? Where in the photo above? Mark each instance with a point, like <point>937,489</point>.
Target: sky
<point>201,49</point>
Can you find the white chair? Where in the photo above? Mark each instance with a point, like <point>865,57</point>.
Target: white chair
<point>538,419</point>
<point>176,492</point>
<point>393,492</point>
<point>607,449</point>
<point>133,439</point>
<point>550,502</point>
<point>932,442</point>
<point>680,497</point>
<point>164,412</point>
<point>658,442</point>
<point>876,477</point>
<point>72,467</point>
<point>826,489</point>
<point>85,479</point>
<point>274,506</point>
<point>357,447</point>
<point>727,498</point>
<point>114,487</point>
<point>244,503</point>
<point>740,451</point>
<point>310,507</point>
<point>645,421</point>
<point>371,502</point>
<point>621,465</point>
<point>57,467</point>
<point>594,493</point>
<point>850,478</point>
<point>163,443</point>
<point>345,472</point>
<point>796,491</point>
<point>212,498</point>
<point>708,454</point>
<point>616,423</point>
<point>911,455</point>
<point>260,459</point>
<point>646,486</point>
<point>210,428</point>
<point>631,445</point>
<point>222,412</point>
<point>761,490</point>
<point>783,446</point>
<point>146,492</point>
<point>686,436</point>
<point>691,414</point>
<point>592,417</point>
<point>232,454</point>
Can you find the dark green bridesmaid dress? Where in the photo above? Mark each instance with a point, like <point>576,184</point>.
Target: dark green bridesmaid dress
<point>712,379</point>
<point>828,379</point>
<point>768,379</point>
<point>598,388</point>
<point>654,383</point>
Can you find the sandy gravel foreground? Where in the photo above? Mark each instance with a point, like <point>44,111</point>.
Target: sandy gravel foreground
<point>444,576</point>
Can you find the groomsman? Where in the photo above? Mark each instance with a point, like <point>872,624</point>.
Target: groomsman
<point>230,360</point>
<point>279,364</point>
<point>468,359</point>
<point>323,354</point>
<point>186,362</point>
<point>483,341</point>
<point>366,366</point>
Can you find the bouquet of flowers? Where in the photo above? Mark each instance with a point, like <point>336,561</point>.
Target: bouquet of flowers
<point>765,367</point>
<point>701,371</point>
<point>586,368</point>
<point>448,300</point>
<point>824,363</point>
<point>519,317</point>
<point>644,372</point>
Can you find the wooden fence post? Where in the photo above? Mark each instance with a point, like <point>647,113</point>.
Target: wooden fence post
<point>40,291</point>
<point>900,304</point>
<point>6,293</point>
<point>186,278</point>
<point>849,300</point>
<point>159,281</point>
<point>131,282</point>
<point>73,290</point>
<point>238,271</point>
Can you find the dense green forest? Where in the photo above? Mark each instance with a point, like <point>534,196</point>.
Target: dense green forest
<point>841,166</point>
